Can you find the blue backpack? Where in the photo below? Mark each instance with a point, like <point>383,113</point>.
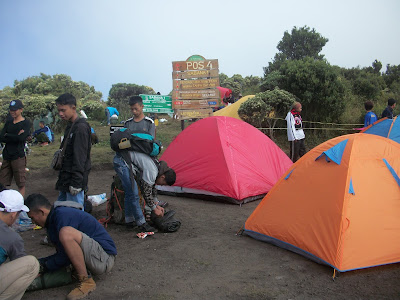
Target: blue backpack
<point>139,141</point>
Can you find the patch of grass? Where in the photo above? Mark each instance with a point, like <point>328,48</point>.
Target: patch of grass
<point>165,132</point>
<point>101,153</point>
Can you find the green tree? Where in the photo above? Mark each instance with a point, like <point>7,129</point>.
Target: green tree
<point>39,93</point>
<point>277,104</point>
<point>317,84</point>
<point>300,43</point>
<point>392,75</point>
<point>248,85</point>
<point>121,92</point>
<point>253,111</point>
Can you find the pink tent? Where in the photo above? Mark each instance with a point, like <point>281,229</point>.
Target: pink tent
<point>225,158</point>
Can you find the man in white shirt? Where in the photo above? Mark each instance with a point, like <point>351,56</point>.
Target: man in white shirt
<point>295,132</point>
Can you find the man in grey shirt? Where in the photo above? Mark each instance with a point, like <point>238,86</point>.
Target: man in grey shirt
<point>17,274</point>
<point>133,212</point>
<point>139,121</point>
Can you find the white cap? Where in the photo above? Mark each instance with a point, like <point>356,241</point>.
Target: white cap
<point>12,201</point>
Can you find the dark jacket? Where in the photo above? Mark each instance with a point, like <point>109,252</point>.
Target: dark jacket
<point>387,112</point>
<point>15,143</point>
<point>76,163</point>
<point>60,217</point>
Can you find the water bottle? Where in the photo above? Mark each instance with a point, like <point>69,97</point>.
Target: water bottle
<point>97,199</point>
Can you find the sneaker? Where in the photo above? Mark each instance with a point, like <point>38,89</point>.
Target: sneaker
<point>44,144</point>
<point>85,286</point>
<point>146,228</point>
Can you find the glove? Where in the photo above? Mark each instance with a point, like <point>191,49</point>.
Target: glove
<point>74,191</point>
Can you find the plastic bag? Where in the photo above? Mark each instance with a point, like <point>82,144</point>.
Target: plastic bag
<point>23,222</point>
<point>96,200</point>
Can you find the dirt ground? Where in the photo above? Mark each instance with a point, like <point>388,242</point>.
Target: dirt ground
<point>205,259</point>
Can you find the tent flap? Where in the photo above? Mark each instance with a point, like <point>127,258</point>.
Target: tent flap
<point>335,153</point>
<point>351,188</point>
<point>392,171</point>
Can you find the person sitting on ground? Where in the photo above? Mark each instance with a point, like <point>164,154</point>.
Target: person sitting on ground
<point>17,274</point>
<point>370,116</point>
<point>43,135</point>
<point>79,238</point>
<point>388,111</point>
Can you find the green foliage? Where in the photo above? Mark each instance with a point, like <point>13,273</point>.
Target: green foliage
<point>276,102</point>
<point>94,109</point>
<point>318,86</point>
<point>271,81</point>
<point>366,82</point>
<point>39,92</point>
<point>280,101</point>
<point>248,85</point>
<point>121,92</point>
<point>300,43</point>
<point>253,111</point>
<point>56,85</point>
<point>392,75</point>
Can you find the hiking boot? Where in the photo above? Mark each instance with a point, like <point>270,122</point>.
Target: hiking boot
<point>146,228</point>
<point>85,286</point>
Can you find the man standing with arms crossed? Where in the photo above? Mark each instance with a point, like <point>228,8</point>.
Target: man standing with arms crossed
<point>14,135</point>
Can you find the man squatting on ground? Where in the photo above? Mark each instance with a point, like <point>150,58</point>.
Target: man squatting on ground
<point>14,135</point>
<point>73,176</point>
<point>79,238</point>
<point>295,132</point>
<point>133,212</point>
<point>17,274</point>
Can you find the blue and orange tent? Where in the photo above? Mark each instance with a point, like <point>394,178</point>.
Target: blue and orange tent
<point>338,205</point>
<point>389,128</point>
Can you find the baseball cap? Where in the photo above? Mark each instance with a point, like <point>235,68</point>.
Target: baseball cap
<point>12,201</point>
<point>16,104</point>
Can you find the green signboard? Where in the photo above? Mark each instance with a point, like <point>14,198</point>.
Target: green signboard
<point>157,104</point>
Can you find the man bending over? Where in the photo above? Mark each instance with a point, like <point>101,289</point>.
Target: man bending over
<point>80,240</point>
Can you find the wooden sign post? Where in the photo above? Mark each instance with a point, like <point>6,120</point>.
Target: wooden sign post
<point>195,92</point>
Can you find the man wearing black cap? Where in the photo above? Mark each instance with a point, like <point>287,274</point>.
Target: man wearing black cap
<point>14,135</point>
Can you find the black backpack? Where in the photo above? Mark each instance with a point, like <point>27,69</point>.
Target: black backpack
<point>135,140</point>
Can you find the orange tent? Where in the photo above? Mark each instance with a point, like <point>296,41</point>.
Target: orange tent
<point>338,205</point>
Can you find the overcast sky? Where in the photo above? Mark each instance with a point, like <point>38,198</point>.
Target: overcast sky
<point>105,42</point>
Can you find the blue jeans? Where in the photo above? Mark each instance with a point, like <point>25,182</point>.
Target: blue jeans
<point>133,211</point>
<point>108,116</point>
<point>64,196</point>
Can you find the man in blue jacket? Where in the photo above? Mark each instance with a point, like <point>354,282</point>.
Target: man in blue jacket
<point>110,111</point>
<point>43,135</point>
<point>79,238</point>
